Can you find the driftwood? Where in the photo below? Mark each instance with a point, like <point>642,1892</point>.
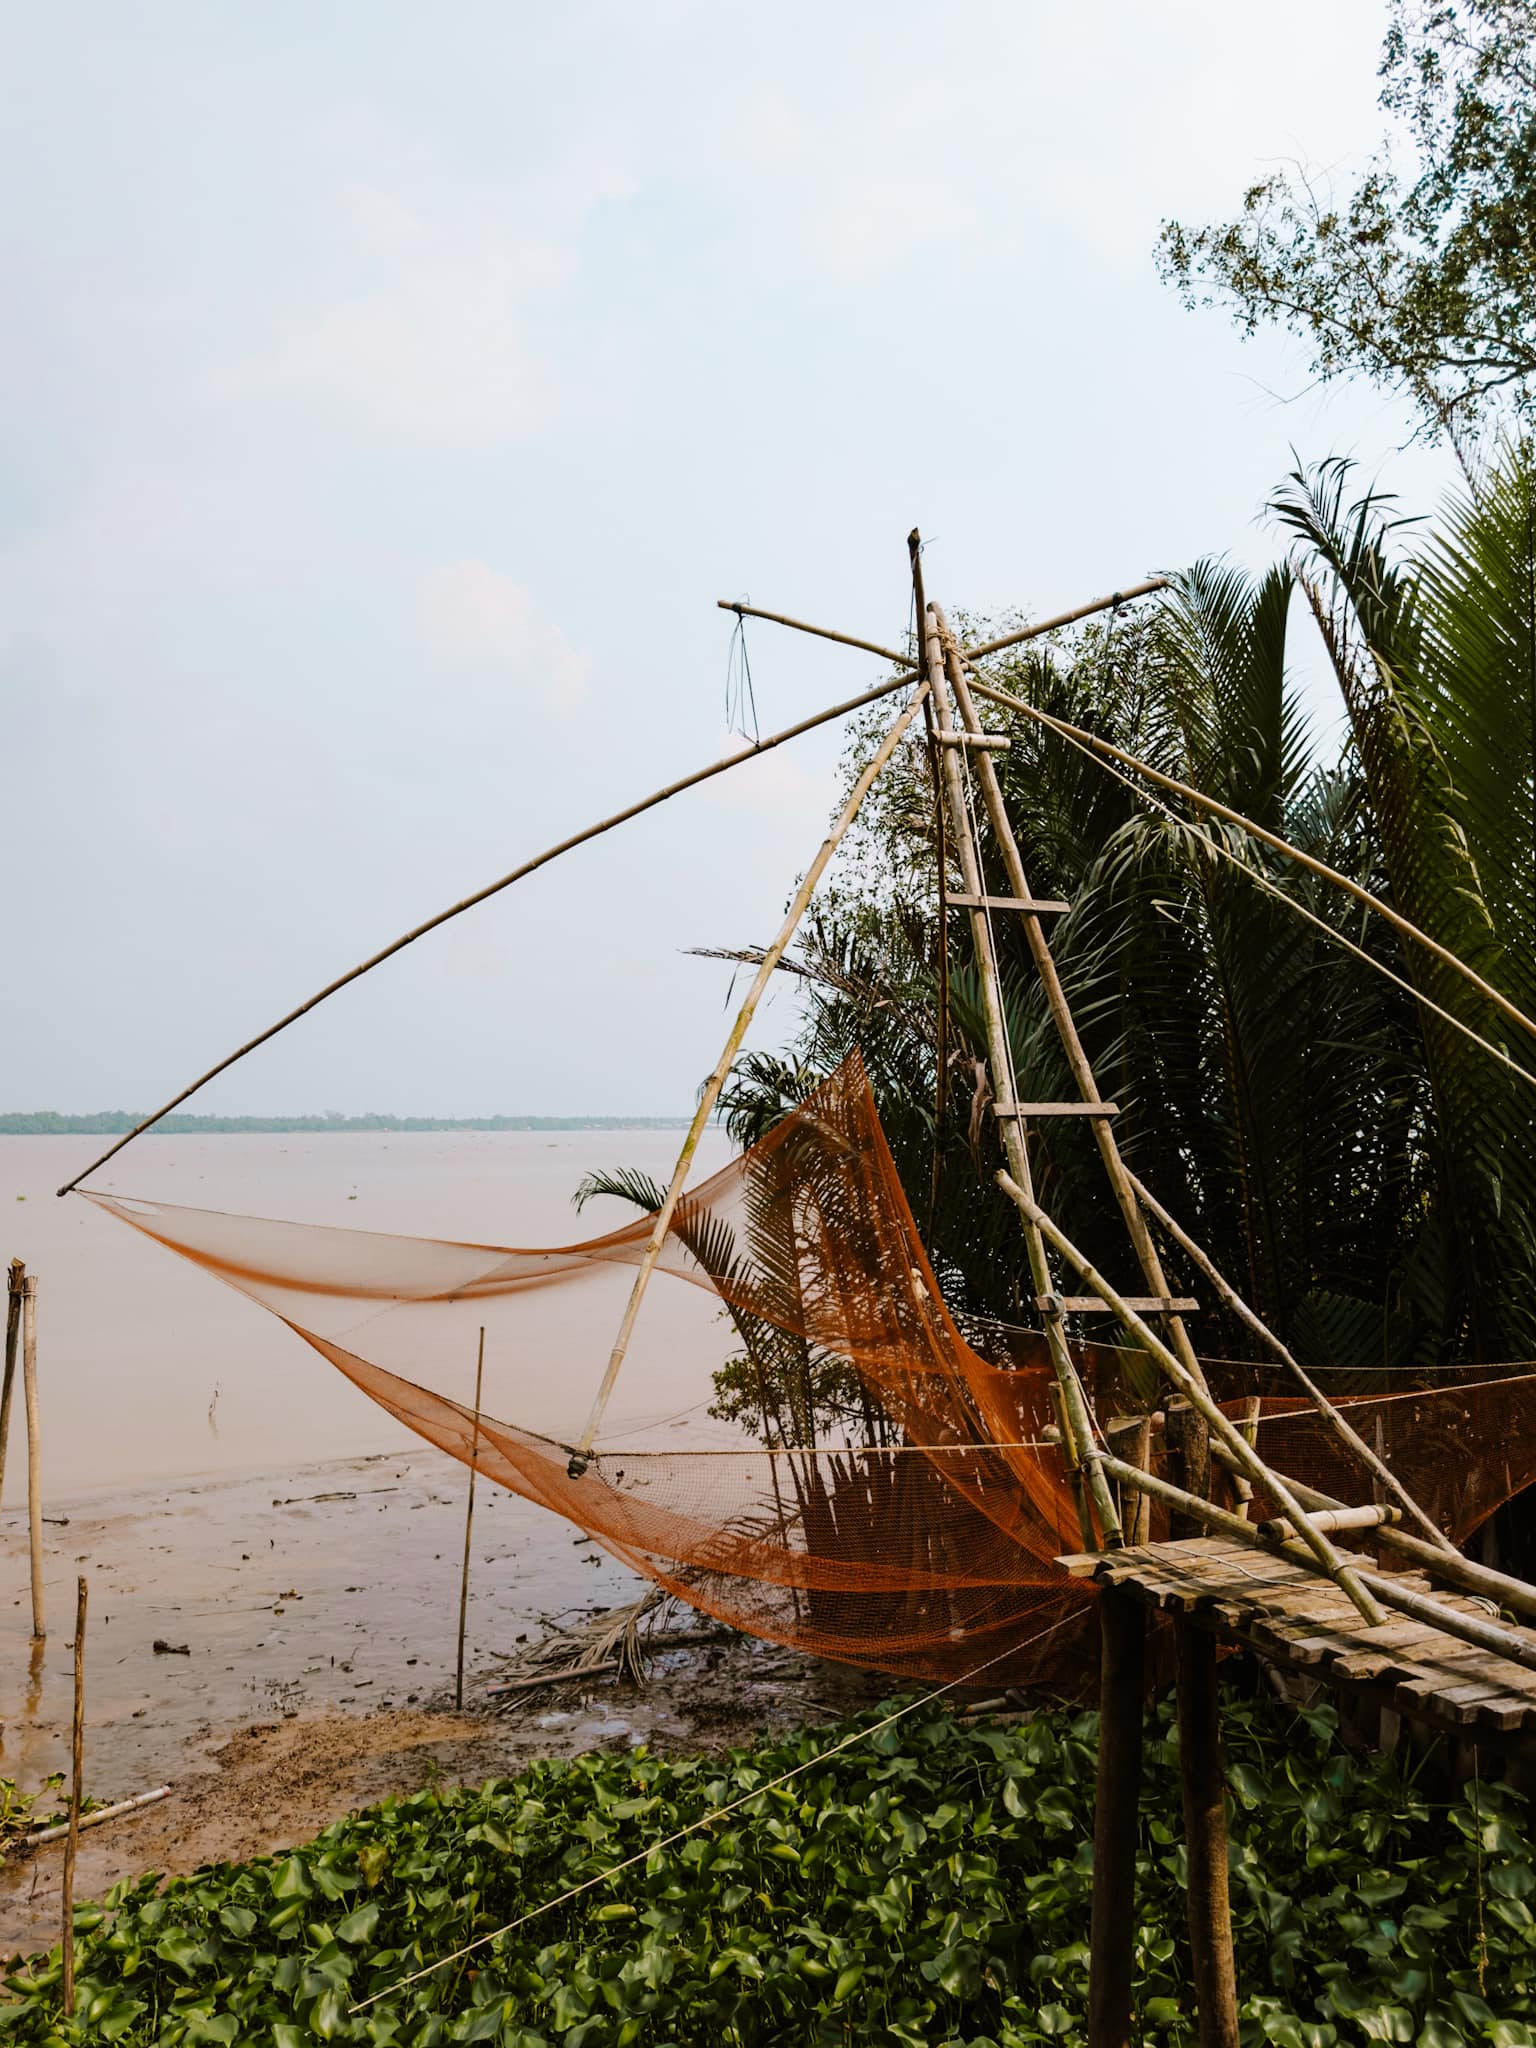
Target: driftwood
<point>95,1817</point>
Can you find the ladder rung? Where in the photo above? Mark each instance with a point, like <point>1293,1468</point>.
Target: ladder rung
<point>1022,1109</point>
<point>1091,1305</point>
<point>983,742</point>
<point>1044,907</point>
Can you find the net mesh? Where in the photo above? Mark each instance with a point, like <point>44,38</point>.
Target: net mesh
<point>804,1441</point>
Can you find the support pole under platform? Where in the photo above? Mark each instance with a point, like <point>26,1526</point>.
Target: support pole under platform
<point>1116,1817</point>
<point>1205,1836</point>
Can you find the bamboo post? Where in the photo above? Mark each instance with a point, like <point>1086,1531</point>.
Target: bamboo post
<point>710,1093</point>
<point>1075,1420</point>
<point>469,1522</point>
<point>1130,1437</point>
<point>1116,1818</point>
<point>1203,1786</point>
<point>1196,1393</point>
<point>1074,1470</point>
<point>76,1794</point>
<point>34,1449</point>
<point>1189,1457</point>
<point>1337,1422</point>
<point>12,1332</point>
<point>1061,1012</point>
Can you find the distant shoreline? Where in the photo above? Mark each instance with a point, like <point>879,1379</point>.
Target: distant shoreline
<point>111,1123</point>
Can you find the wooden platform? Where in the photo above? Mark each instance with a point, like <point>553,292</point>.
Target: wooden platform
<point>1294,1618</point>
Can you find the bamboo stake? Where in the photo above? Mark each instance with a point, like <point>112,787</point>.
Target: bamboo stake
<point>1271,839</point>
<point>1198,1396</point>
<point>12,1332</point>
<point>1342,1429</point>
<point>1116,1818</point>
<point>469,1521</point>
<point>34,1450</point>
<point>1061,1014</point>
<point>1202,1784</point>
<point>1074,1420</point>
<point>76,1793</point>
<point>710,1093</point>
<point>539,860</point>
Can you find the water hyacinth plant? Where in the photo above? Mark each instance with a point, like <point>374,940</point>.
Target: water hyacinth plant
<point>928,1883</point>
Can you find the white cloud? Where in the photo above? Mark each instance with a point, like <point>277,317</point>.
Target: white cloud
<point>480,622</point>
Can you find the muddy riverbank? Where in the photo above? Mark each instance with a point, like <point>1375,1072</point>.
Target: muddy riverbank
<point>309,1634</point>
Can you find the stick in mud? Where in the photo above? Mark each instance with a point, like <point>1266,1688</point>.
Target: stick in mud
<point>34,1449</point>
<point>469,1523</point>
<point>12,1332</point>
<point>77,1772</point>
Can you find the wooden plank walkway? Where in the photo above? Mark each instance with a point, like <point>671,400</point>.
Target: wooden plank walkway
<point>1289,1615</point>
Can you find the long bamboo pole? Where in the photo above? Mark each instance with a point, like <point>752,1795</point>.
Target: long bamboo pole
<point>34,1450</point>
<point>1313,866</point>
<point>76,1794</point>
<point>1199,1398</point>
<point>1075,1422</point>
<point>1061,1011</point>
<point>12,1333</point>
<point>710,1093</point>
<point>539,860</point>
<point>1338,1423</point>
<point>469,1521</point>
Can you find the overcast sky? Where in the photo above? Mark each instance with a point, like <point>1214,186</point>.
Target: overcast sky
<point>391,391</point>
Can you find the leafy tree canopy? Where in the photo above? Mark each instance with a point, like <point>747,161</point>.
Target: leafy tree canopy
<point>1424,277</point>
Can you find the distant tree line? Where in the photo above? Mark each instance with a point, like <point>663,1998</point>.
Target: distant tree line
<point>108,1123</point>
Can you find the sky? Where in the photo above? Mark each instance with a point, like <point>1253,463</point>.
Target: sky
<point>392,391</point>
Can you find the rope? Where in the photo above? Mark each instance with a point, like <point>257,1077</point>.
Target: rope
<point>709,1819</point>
<point>838,1450</point>
<point>1209,840</point>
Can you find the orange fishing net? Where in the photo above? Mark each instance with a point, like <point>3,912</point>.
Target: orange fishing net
<point>804,1441</point>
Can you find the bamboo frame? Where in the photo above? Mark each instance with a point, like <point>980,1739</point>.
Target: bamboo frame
<point>1061,1013</point>
<point>1198,1396</point>
<point>710,1094</point>
<point>1074,1421</point>
<point>1342,1429</point>
<point>1422,1607</point>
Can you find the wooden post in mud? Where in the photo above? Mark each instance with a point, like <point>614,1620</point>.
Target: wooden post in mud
<point>1116,1818</point>
<point>469,1523</point>
<point>34,1449</point>
<point>12,1333</point>
<point>1117,1795</point>
<point>1202,1779</point>
<point>76,1794</point>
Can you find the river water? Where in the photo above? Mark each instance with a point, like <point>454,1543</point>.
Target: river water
<point>149,1370</point>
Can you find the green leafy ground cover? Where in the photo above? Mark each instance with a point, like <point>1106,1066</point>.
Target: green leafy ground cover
<point>928,1884</point>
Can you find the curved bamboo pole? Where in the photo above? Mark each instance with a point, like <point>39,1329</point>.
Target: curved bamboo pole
<point>539,860</point>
